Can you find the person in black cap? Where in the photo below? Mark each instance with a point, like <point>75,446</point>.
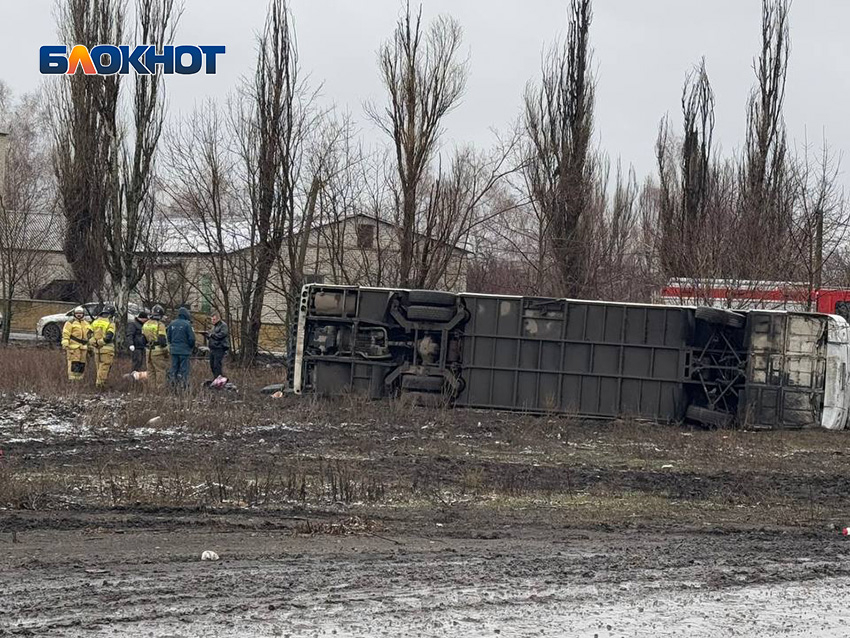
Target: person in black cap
<point>136,342</point>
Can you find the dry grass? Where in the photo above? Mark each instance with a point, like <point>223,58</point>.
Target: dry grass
<point>42,369</point>
<point>248,450</point>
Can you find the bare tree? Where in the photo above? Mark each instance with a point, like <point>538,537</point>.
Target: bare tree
<point>355,241</point>
<point>685,184</point>
<point>765,188</point>
<point>83,124</point>
<point>698,116</point>
<point>203,188</point>
<point>24,194</point>
<point>615,267</point>
<point>271,129</point>
<point>667,199</point>
<point>559,127</point>
<point>322,152</point>
<point>457,203</point>
<point>424,79</point>
<point>130,208</point>
<point>821,217</point>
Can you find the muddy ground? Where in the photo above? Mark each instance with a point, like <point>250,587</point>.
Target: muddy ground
<point>359,519</point>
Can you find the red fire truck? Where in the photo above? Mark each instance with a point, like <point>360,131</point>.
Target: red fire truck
<point>736,294</point>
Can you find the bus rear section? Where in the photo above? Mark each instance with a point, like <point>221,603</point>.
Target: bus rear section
<point>585,358</point>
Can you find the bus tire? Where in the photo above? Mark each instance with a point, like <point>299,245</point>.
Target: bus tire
<point>422,383</point>
<point>431,298</point>
<point>433,314</point>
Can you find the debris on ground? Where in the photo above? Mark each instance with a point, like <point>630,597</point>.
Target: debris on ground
<point>209,555</point>
<point>351,525</point>
<point>274,388</point>
<point>220,383</point>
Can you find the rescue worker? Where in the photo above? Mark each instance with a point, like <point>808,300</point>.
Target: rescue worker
<point>181,343</point>
<point>155,335</point>
<point>136,342</point>
<point>102,342</point>
<point>218,340</point>
<point>75,335</point>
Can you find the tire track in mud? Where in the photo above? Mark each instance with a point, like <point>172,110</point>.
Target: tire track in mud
<point>111,583</point>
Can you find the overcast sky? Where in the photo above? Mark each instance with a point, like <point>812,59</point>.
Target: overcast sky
<point>643,49</point>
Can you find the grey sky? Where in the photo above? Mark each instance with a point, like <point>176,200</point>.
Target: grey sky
<point>643,49</point>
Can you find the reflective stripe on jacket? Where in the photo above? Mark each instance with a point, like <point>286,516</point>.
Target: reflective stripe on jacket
<point>75,334</point>
<point>102,333</point>
<point>154,332</point>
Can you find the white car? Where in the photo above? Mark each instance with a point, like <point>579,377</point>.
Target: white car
<point>50,327</point>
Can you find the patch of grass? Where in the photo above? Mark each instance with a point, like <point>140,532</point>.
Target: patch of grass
<point>244,449</point>
<point>42,369</point>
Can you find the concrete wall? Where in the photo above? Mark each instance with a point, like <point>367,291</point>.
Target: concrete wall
<point>27,312</point>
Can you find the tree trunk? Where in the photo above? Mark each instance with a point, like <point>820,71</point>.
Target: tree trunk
<point>407,238</point>
<point>251,340</point>
<point>122,301</point>
<point>7,318</point>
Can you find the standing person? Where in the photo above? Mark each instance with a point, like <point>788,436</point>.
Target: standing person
<point>218,340</point>
<point>75,339</point>
<point>136,342</point>
<point>181,343</point>
<point>102,343</point>
<point>155,335</point>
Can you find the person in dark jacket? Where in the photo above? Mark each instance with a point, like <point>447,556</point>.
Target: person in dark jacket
<point>136,342</point>
<point>218,340</point>
<point>181,343</point>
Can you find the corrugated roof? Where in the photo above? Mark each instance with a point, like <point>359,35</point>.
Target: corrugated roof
<point>173,235</point>
<point>185,236</point>
<point>45,231</point>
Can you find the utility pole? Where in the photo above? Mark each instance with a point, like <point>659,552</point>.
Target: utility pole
<point>818,248</point>
<point>817,280</point>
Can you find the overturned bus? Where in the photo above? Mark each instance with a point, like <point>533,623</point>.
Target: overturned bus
<point>593,359</point>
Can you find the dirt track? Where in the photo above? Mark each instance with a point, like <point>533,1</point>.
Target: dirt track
<point>352,519</point>
<point>111,576</point>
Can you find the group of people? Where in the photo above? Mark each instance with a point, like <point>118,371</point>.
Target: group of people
<point>152,344</point>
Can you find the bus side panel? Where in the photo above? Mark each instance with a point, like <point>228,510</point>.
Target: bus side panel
<point>585,358</point>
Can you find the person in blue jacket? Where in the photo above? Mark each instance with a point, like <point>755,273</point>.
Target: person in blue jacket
<point>181,343</point>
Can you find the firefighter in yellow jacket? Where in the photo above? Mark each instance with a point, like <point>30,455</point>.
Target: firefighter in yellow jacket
<point>102,343</point>
<point>75,339</point>
<point>158,359</point>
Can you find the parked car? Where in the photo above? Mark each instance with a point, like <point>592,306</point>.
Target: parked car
<point>50,327</point>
